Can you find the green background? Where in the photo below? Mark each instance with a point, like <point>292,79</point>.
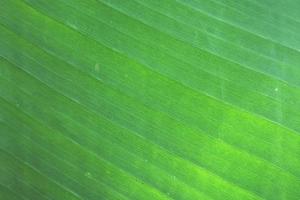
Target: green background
<point>150,99</point>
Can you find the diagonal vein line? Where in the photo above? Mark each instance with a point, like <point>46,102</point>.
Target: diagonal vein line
<point>180,83</point>
<point>210,136</point>
<point>62,160</point>
<point>160,111</point>
<point>42,174</point>
<point>242,13</point>
<point>81,147</point>
<point>265,8</point>
<point>207,51</point>
<point>159,145</point>
<point>132,131</point>
<point>148,44</point>
<point>28,184</point>
<point>23,182</point>
<point>253,16</point>
<point>221,39</point>
<point>12,191</point>
<point>122,94</point>
<point>178,39</point>
<point>69,164</point>
<point>66,137</point>
<point>237,27</point>
<point>88,110</point>
<point>108,141</point>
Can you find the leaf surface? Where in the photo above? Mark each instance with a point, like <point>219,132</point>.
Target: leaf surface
<point>170,99</point>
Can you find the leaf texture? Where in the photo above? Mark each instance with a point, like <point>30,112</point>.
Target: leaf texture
<point>138,99</point>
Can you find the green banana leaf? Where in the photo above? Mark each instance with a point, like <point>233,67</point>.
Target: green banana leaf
<point>150,99</point>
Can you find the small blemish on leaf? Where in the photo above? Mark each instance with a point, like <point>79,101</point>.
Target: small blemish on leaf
<point>88,174</point>
<point>97,67</point>
<point>72,25</point>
